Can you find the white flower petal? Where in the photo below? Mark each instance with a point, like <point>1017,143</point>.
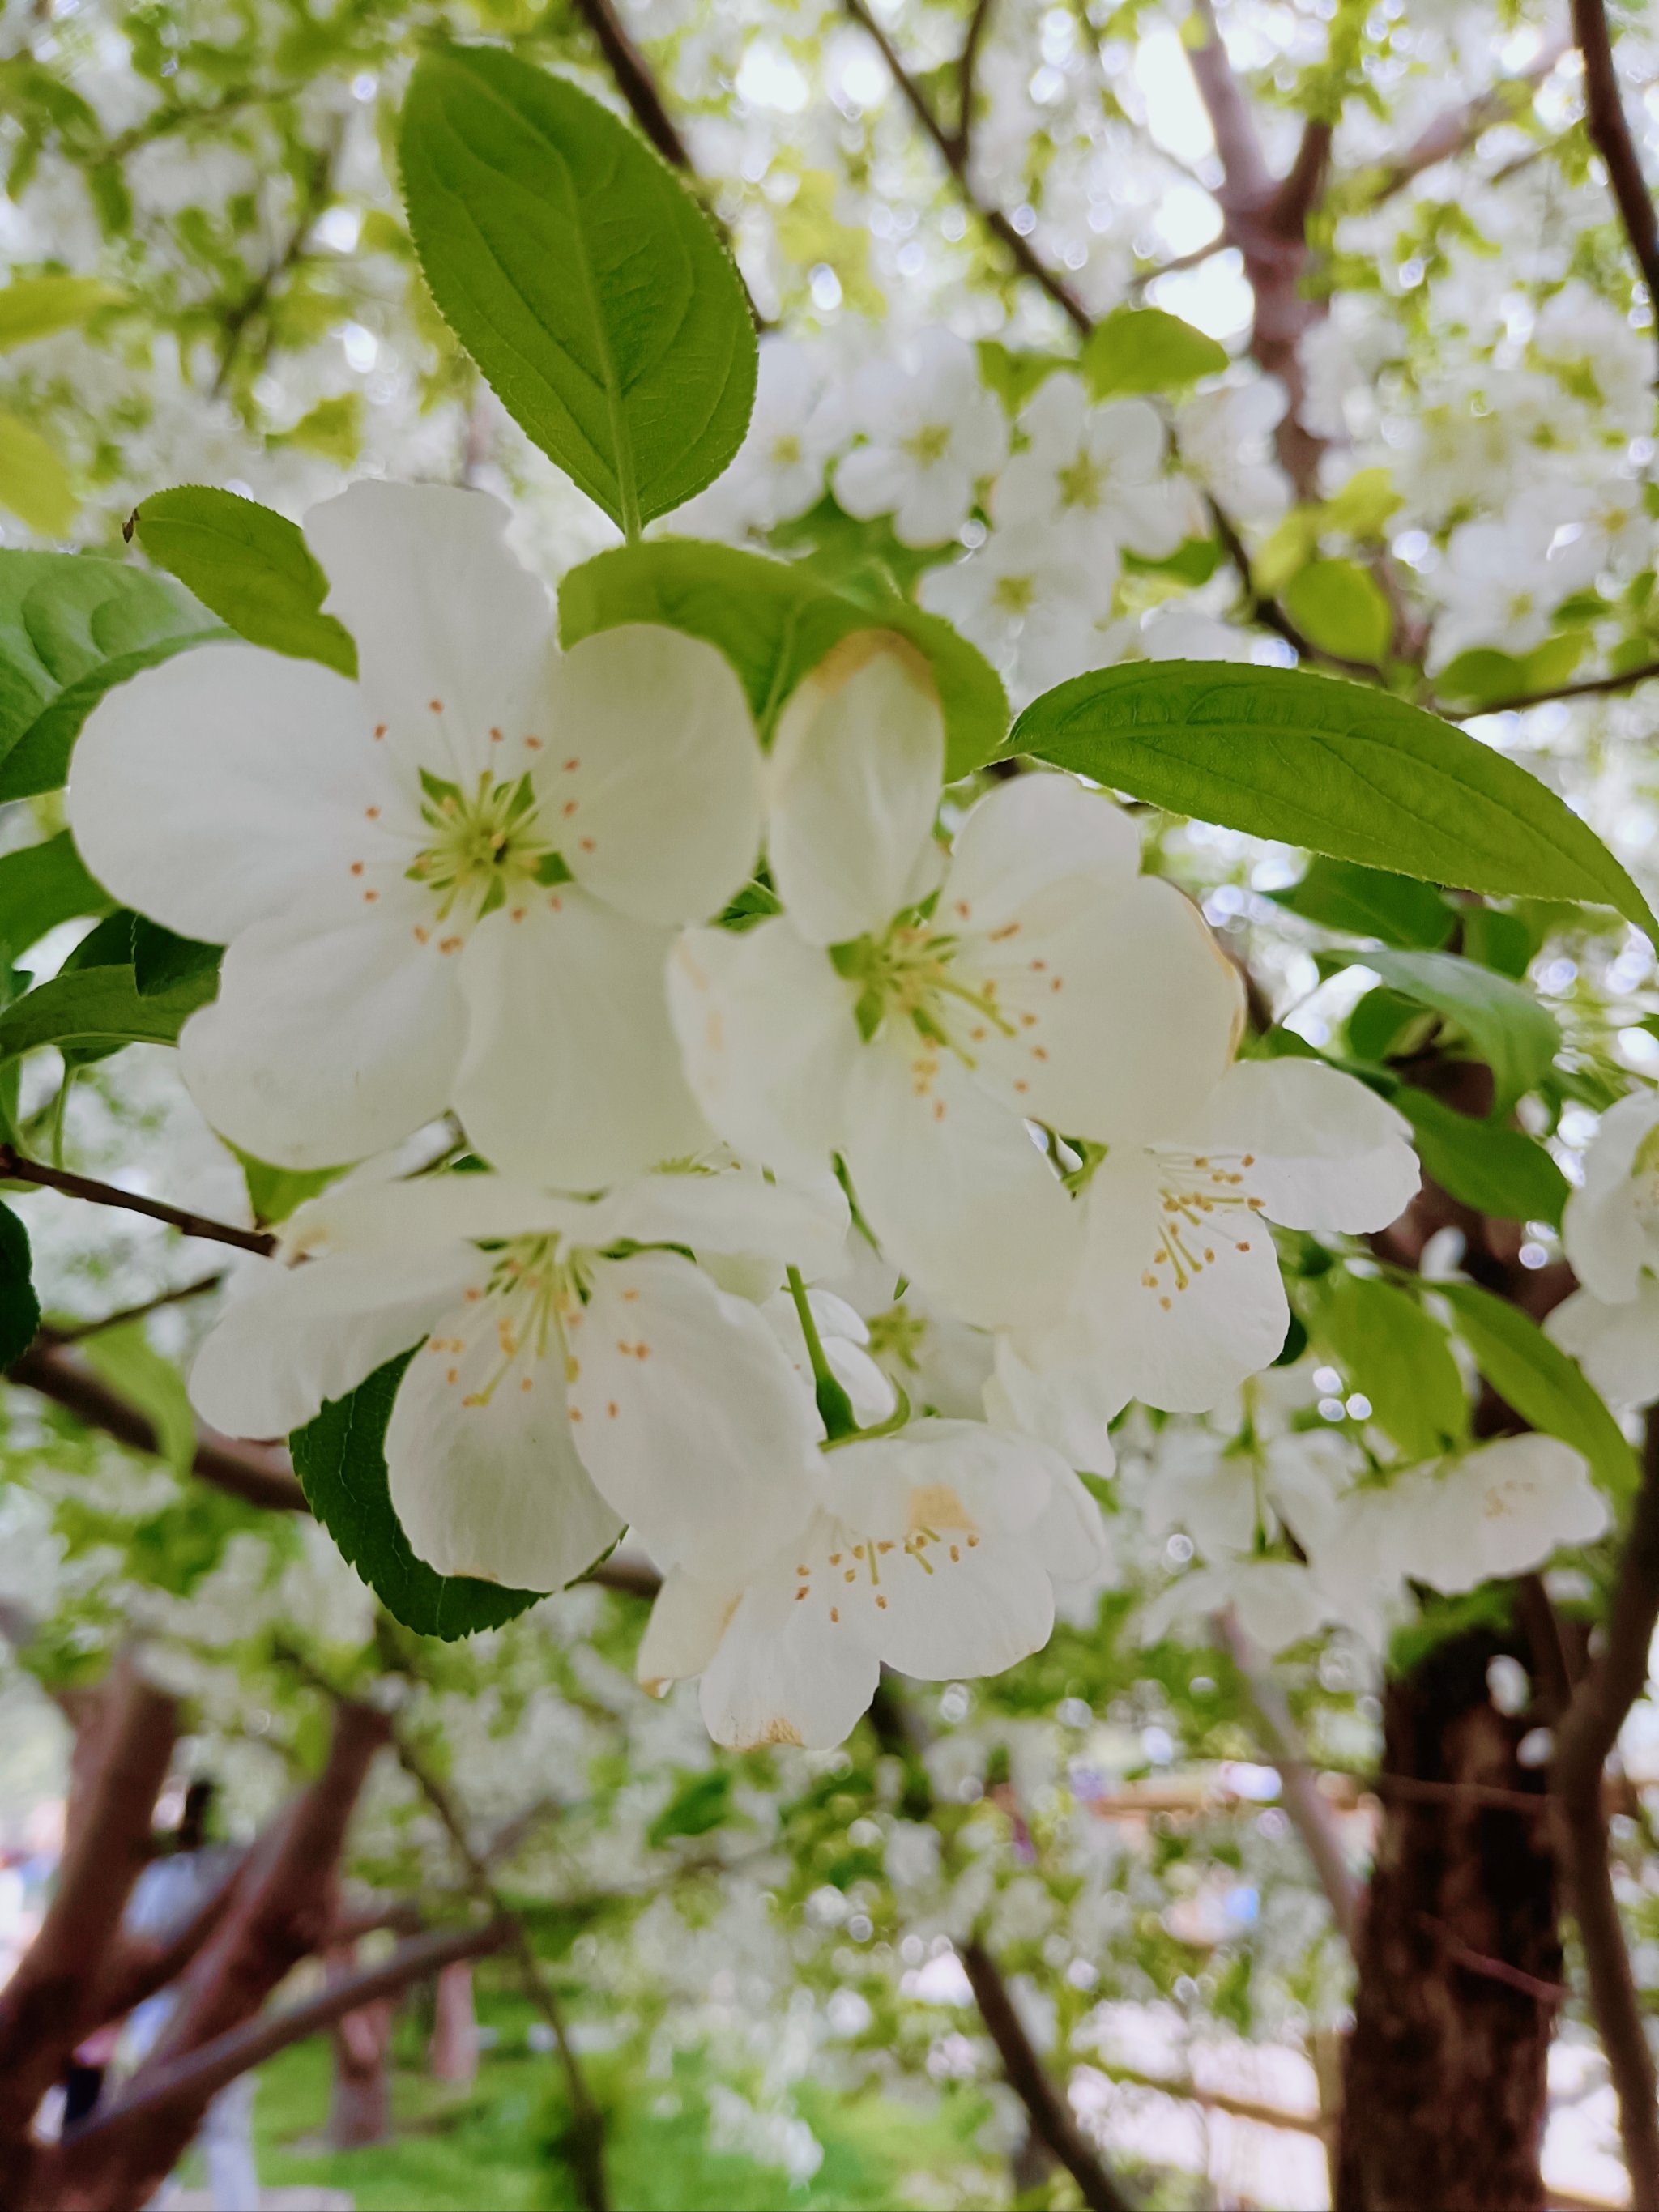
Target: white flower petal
<point>853,785</point>
<point>335,1033</point>
<point>1503,1509</point>
<point>1069,1537</point>
<point>298,1337</point>
<point>651,785</point>
<point>1326,1152</point>
<point>1049,1384</point>
<point>1182,1304</point>
<point>484,1469</point>
<point>213,791</point>
<point>412,1214</point>
<point>1028,839</point>
<point>1605,1237</point>
<point>688,1619</point>
<point>570,1075</point>
<point>786,1674</point>
<point>735,1212</point>
<point>452,631</point>
<point>957,1193</point>
<point>1617,1346</point>
<point>766,1029</point>
<point>689,1416</point>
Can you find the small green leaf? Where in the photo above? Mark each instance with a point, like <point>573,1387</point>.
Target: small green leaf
<point>340,1459</point>
<point>99,1006</point>
<point>1537,1380</point>
<point>39,307</point>
<point>701,1804</point>
<point>41,885</point>
<point>1336,768</point>
<point>1014,376</point>
<point>1370,903</point>
<point>775,622</point>
<point>1480,677</point>
<point>1487,1164</point>
<point>35,485</point>
<point>162,962</point>
<point>585,282</point>
<point>1400,1358</point>
<point>1504,1025</point>
<point>1339,607</point>
<point>1143,350</point>
<point>19,1310</point>
<point>273,1193</point>
<point>253,568</point>
<point>71,626</point>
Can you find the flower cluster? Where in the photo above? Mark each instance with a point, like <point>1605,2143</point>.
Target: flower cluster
<point>714,1154</point>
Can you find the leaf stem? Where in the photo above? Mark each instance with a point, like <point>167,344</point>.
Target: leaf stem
<point>835,1407</point>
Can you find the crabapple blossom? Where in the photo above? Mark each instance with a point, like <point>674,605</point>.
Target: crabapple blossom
<point>932,433</point>
<point>1098,469</point>
<point>908,1013</point>
<point>778,473</point>
<point>935,1551</point>
<point>1032,598</point>
<point>1502,581</point>
<point>577,1368</point>
<point>451,883</point>
<point>1610,1231</point>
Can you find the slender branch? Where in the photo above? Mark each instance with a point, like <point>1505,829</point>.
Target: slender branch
<point>634,81</point>
<point>1304,1804</point>
<point>1247,178</point>
<point>1024,255</point>
<point>1610,135</point>
<point>314,195</point>
<point>1594,687</point>
<point>967,63</point>
<point>1490,1969</point>
<point>250,1471</point>
<point>14,1168</point>
<point>1051,2116</point>
<point>1457,129</point>
<point>200,2073</point>
<point>77,1332</point>
<point>1583,1742</point>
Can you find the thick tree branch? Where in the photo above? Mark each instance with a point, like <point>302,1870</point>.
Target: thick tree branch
<point>202,2073</point>
<point>1610,135</point>
<point>1583,1742</point>
<point>634,81</point>
<point>14,1168</point>
<point>1304,1805</point>
<point>1051,2116</point>
<point>1024,255</point>
<point>253,1472</point>
<point>1248,183</point>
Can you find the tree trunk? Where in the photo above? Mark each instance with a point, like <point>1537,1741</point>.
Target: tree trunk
<point>453,2054</point>
<point>360,2106</point>
<point>1459,1958</point>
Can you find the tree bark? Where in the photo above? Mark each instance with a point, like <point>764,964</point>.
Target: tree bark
<point>453,2056</point>
<point>360,2102</point>
<point>1459,1958</point>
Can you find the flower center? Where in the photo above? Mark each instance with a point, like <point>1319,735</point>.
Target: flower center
<point>898,1334</point>
<point>847,1571</point>
<point>930,444</point>
<point>786,451</point>
<point>909,974</point>
<point>1082,483</point>
<point>533,1297</point>
<point>487,844</point>
<point>1204,1202</point>
<point>1015,595</point>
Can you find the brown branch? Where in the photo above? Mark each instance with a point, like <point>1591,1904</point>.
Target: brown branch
<point>634,81</point>
<point>1457,129</point>
<point>14,1168</point>
<point>137,1968</point>
<point>1052,2119</point>
<point>1247,179</point>
<point>1025,256</point>
<point>1304,181</point>
<point>967,63</point>
<point>1610,135</point>
<point>201,2073</point>
<point>77,1332</point>
<point>1596,686</point>
<point>1583,1742</point>
<point>1304,1805</point>
<point>251,1472</point>
<point>315,193</point>
<point>1490,1969</point>
<point>46,2007</point>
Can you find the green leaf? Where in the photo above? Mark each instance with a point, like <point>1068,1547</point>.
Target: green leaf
<point>1480,677</point>
<point>775,622</point>
<point>1536,1379</point>
<point>1488,1165</point>
<point>1370,903</point>
<point>162,962</point>
<point>587,285</point>
<point>1339,607</point>
<point>1143,350</point>
<point>19,1310</point>
<point>35,485</point>
<point>40,886</point>
<point>128,1362</point>
<point>253,568</point>
<point>71,626</point>
<point>701,1804</point>
<point>1333,767</point>
<point>1014,376</point>
<point>39,307</point>
<point>273,1193</point>
<point>99,1006</point>
<point>1504,1025</point>
<point>1400,1358</point>
<point>340,1459</point>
